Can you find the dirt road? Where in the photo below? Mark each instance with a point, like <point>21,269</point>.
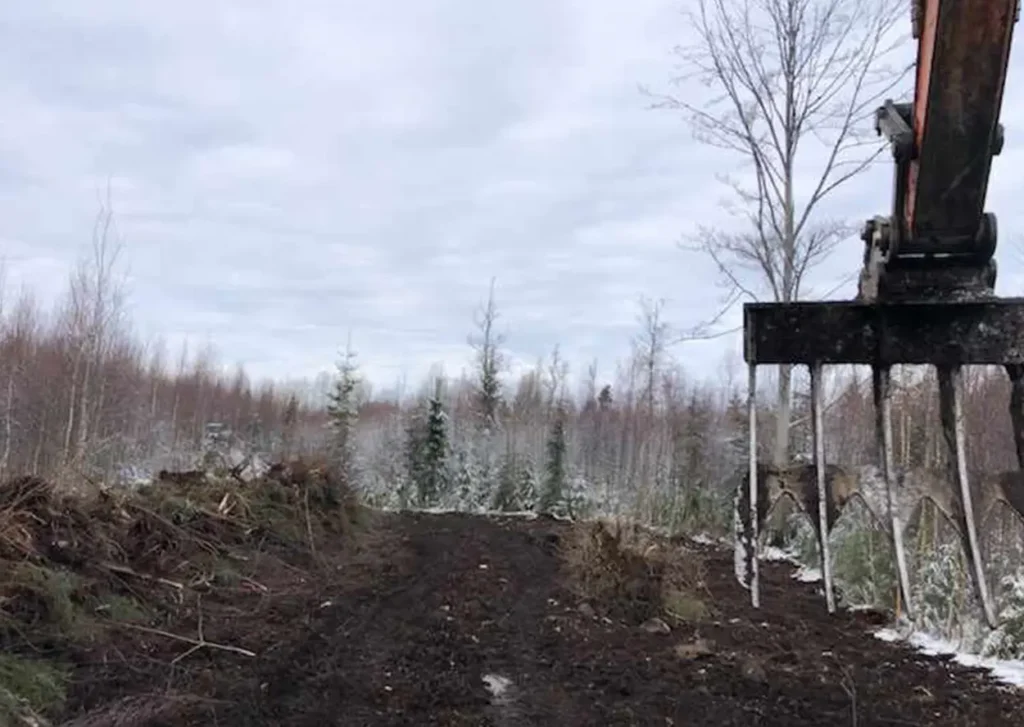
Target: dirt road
<point>469,621</point>
<point>283,602</point>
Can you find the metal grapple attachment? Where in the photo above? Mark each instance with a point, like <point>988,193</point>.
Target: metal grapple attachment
<point>926,292</point>
<point>881,336</point>
<point>956,325</point>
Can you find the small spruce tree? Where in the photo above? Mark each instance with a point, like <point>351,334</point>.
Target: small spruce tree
<point>505,496</point>
<point>428,451</point>
<point>553,496</point>
<point>465,494</point>
<point>415,438</point>
<point>527,494</point>
<point>436,448</point>
<point>343,410</point>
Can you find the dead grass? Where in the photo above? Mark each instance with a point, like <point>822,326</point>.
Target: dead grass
<point>623,565</point>
<point>148,709</point>
<point>29,688</point>
<point>81,568</point>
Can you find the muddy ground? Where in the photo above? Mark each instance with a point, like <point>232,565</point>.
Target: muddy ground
<point>459,620</point>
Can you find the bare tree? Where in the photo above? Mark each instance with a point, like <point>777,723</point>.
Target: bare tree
<point>795,82</point>
<point>490,360</point>
<point>94,310</point>
<point>554,383</point>
<point>650,346</point>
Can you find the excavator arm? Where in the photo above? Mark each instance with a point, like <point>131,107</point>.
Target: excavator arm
<point>938,241</point>
<point>962,58</point>
<point>927,286</point>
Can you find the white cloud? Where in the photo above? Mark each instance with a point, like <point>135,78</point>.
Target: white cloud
<point>286,172</point>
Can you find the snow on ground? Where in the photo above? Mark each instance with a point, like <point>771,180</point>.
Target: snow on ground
<point>771,553</point>
<point>705,539</point>
<point>807,575</point>
<point>524,514</point>
<point>499,687</point>
<point>1009,671</point>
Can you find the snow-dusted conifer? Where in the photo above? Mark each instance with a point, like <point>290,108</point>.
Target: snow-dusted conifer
<point>343,411</point>
<point>428,451</point>
<point>553,495</point>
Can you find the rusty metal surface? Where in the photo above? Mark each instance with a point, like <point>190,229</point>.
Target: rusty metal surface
<point>929,332</point>
<point>925,295</point>
<point>951,410</point>
<point>1016,375</point>
<point>954,282</point>
<point>881,377</point>
<point>961,70</point>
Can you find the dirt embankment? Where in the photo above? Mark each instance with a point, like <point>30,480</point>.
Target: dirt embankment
<point>281,603</point>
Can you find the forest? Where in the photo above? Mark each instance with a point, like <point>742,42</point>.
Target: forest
<point>83,398</point>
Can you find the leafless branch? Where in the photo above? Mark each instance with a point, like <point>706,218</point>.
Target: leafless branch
<point>790,81</point>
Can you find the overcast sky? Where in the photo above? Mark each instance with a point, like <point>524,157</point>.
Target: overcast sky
<point>285,172</point>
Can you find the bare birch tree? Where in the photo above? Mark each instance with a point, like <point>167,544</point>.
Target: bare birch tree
<point>649,346</point>
<point>794,83</point>
<point>490,360</point>
<point>555,381</point>
<point>95,308</point>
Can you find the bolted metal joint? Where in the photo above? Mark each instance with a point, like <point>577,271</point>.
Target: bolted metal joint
<point>893,121</point>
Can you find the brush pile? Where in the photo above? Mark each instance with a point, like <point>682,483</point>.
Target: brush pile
<point>97,588</point>
<point>643,575</point>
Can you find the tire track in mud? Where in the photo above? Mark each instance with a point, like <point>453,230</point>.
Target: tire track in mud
<point>471,623</point>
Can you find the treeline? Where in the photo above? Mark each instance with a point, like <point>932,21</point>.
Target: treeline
<point>81,394</point>
<point>666,457</point>
<point>646,440</point>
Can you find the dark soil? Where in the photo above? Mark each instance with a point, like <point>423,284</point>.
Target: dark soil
<point>408,628</point>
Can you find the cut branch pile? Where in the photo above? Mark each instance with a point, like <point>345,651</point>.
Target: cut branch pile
<point>173,572</point>
<point>640,574</point>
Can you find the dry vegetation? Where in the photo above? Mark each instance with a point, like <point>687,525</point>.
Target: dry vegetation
<point>611,564</point>
<point>100,589</point>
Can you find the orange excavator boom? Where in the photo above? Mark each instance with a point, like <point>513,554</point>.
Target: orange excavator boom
<point>927,286</point>
<point>943,143</point>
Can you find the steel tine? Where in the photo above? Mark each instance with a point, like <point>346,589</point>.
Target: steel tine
<point>1016,374</point>
<point>823,501</point>
<point>752,531</point>
<point>952,412</point>
<point>882,385</point>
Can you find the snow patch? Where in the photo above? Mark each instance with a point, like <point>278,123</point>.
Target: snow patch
<point>778,555</point>
<point>739,562</point>
<point>523,514</point>
<point>1008,671</point>
<point>705,539</point>
<point>807,575</point>
<point>500,688</point>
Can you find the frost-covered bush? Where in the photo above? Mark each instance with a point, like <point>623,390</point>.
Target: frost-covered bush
<point>863,557</point>
<point>938,587</point>
<point>1007,641</point>
<point>580,501</point>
